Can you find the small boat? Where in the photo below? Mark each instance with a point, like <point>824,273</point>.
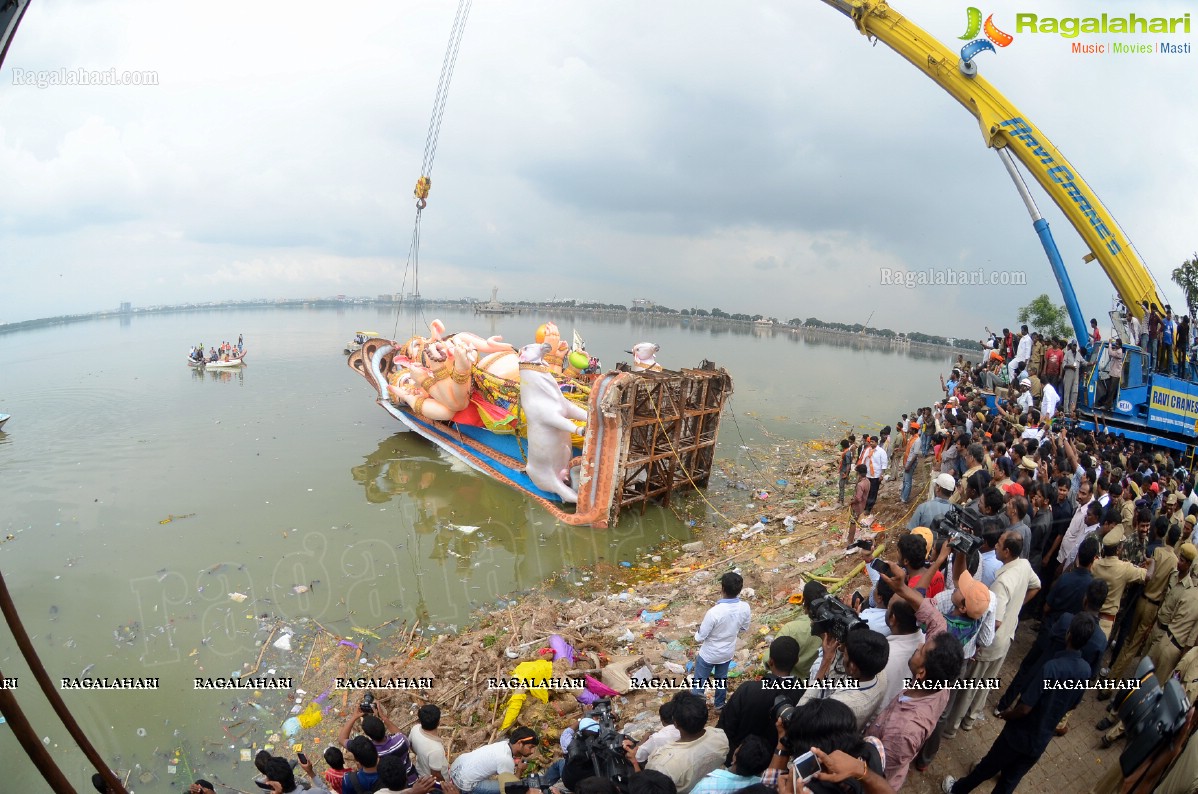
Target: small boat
<point>230,364</point>
<point>360,338</point>
<point>4,418</point>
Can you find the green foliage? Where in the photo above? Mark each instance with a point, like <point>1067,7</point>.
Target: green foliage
<point>1186,277</point>
<point>1047,318</point>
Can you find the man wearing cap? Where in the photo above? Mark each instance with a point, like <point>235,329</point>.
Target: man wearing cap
<point>1025,399</point>
<point>1190,529</point>
<point>1163,571</point>
<point>937,506</point>
<point>1117,574</point>
<point>910,456</point>
<point>1014,585</point>
<point>959,608</point>
<point>1177,621</point>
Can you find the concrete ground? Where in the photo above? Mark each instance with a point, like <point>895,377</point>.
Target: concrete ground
<point>1071,764</point>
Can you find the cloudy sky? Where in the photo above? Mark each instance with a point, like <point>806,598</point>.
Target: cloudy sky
<point>757,156</point>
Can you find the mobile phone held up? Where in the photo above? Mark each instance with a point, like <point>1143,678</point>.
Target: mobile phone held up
<point>303,759</point>
<point>881,566</point>
<point>805,767</point>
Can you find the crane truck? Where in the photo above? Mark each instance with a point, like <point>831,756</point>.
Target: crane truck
<point>1152,408</point>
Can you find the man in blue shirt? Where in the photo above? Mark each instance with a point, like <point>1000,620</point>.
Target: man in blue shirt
<point>1032,722</point>
<point>936,507</point>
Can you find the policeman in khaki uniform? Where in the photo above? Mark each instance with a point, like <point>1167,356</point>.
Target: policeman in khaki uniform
<point>1117,574</point>
<point>1176,622</point>
<point>1182,586</point>
<point>1164,569</point>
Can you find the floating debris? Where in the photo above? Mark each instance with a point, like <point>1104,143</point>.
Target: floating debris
<point>172,517</point>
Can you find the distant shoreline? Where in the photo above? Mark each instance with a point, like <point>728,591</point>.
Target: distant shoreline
<point>525,308</point>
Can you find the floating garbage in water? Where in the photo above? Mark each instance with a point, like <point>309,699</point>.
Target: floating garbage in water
<point>464,529</point>
<point>238,597</point>
<point>625,564</point>
<point>283,643</point>
<point>141,732</point>
<point>171,518</point>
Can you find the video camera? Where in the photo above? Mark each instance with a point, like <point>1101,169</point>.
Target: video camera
<point>830,615</point>
<point>961,528</point>
<point>598,753</point>
<point>1152,715</point>
<point>783,708</point>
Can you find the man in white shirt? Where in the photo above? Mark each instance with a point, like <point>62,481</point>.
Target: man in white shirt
<point>1015,585</point>
<point>904,639</point>
<point>866,653</point>
<point>428,752</point>
<point>877,463</point>
<point>699,750</point>
<point>717,633</point>
<point>478,770</point>
<point>664,735</point>
<point>1085,522</point>
<point>1023,353</point>
<point>1025,399</point>
<point>1049,402</point>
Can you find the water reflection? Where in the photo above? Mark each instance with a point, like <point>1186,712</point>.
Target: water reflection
<point>490,536</point>
<point>219,375</point>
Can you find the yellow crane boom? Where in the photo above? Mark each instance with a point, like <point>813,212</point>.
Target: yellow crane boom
<point>1003,126</point>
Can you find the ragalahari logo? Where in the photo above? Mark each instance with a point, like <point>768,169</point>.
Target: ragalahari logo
<point>994,36</point>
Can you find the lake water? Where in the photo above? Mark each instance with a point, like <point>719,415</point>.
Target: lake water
<point>141,494</point>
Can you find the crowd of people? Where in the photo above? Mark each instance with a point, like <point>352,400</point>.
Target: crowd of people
<point>1079,539</point>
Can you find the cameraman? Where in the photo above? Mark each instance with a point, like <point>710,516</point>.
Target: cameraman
<point>829,727</point>
<point>749,711</point>
<point>381,732</point>
<point>866,653</point>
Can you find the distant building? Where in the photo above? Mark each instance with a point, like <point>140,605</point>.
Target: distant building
<point>126,308</point>
<point>386,297</point>
<point>643,303</point>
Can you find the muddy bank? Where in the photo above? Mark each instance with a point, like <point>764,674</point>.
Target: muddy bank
<point>773,515</point>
